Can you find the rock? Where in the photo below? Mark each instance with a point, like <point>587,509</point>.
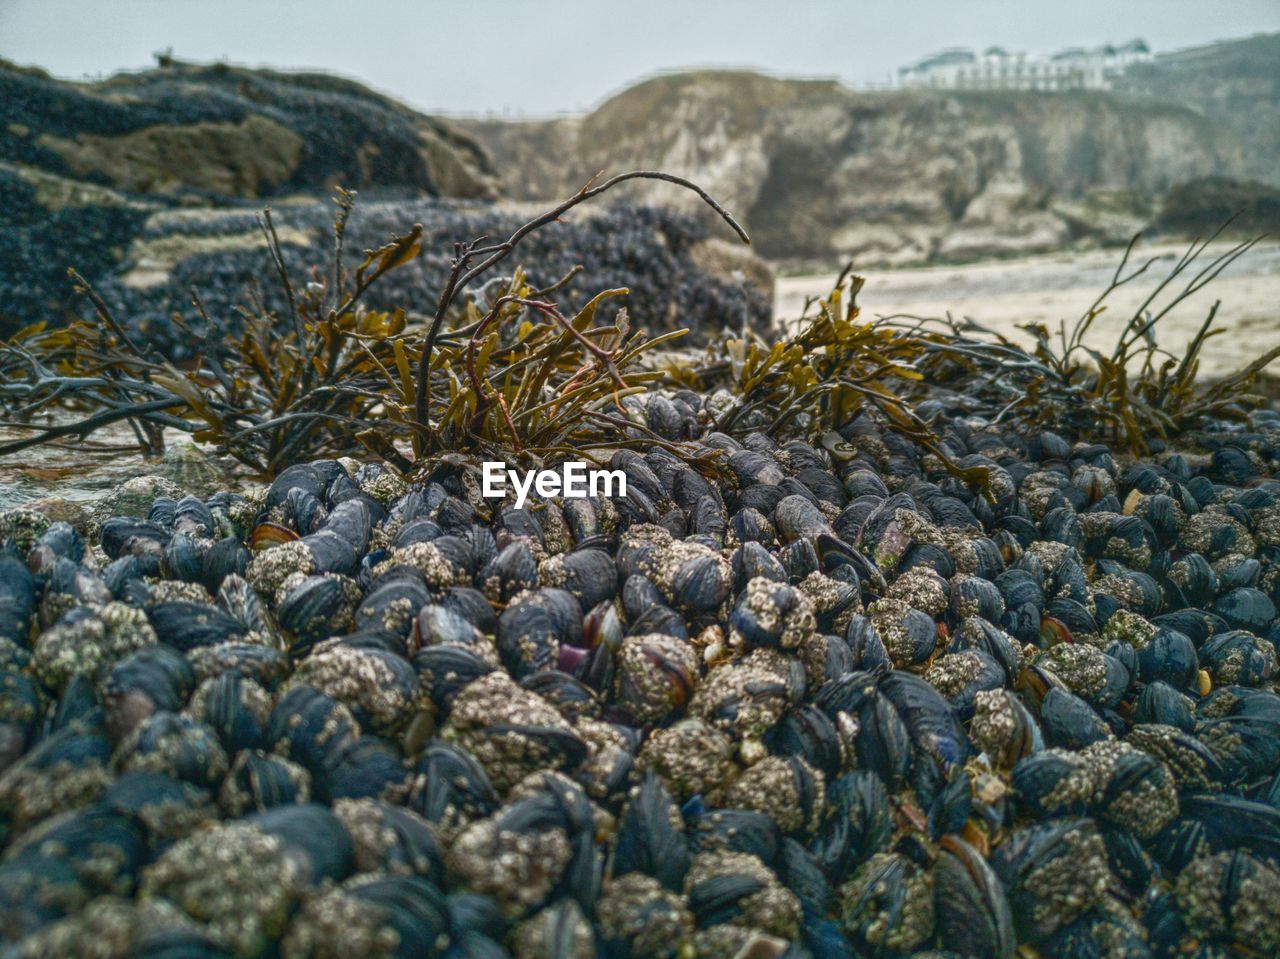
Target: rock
<point>207,133</point>
<point>83,165</point>
<point>134,497</point>
<point>1108,216</point>
<point>149,184</point>
<point>1201,206</point>
<point>59,510</point>
<point>679,274</point>
<point>820,173</point>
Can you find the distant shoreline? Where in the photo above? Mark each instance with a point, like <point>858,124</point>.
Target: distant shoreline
<point>1046,288</point>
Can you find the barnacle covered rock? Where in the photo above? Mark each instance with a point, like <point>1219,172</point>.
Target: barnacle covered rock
<point>234,880</point>
<point>88,643</point>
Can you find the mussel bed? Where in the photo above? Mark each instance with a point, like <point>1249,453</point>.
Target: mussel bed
<point>832,703</point>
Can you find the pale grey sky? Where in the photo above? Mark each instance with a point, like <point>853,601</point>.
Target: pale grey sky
<point>543,56</point>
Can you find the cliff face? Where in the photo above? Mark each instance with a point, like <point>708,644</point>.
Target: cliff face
<point>822,173</point>
<point>1237,86</point>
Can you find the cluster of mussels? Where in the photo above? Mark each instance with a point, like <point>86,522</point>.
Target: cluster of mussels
<point>842,706</point>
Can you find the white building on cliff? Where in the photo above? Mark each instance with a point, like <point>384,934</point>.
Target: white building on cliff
<point>997,69</point>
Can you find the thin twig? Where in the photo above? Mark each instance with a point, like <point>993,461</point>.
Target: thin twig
<point>462,273</point>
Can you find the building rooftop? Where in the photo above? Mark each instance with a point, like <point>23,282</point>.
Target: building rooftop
<point>943,58</point>
<point>1067,68</point>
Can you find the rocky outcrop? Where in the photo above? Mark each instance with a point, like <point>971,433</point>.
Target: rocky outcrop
<point>678,275</point>
<point>1202,206</point>
<point>147,184</point>
<point>213,133</point>
<point>821,173</point>
<point>1236,85</point>
<point>83,165</point>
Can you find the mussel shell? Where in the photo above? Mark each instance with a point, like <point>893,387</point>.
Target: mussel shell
<point>1069,722</point>
<point>510,572</point>
<point>368,768</point>
<point>313,833</point>
<point>1247,608</point>
<point>437,625</point>
<point>700,584</point>
<point>17,599</point>
<point>1039,907</point>
<point>1158,702</point>
<point>308,726</point>
<point>448,786</point>
<point>332,553</point>
<point>226,557</point>
<point>317,607</point>
<point>1239,657</point>
<point>227,711</point>
<point>971,909</point>
<point>569,695</point>
<point>176,745</point>
<point>532,628</point>
<point>153,679</point>
<point>806,731</point>
<point>1169,657</point>
<point>859,823</point>
<point>186,625</point>
<point>391,604</point>
<point>124,534</point>
<point>733,830</point>
<point>590,575</point>
<point>444,671</point>
<point>259,782</point>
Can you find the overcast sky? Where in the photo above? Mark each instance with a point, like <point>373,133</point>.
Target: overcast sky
<point>537,57</point>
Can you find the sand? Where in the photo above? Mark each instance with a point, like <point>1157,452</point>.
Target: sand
<point>1046,289</point>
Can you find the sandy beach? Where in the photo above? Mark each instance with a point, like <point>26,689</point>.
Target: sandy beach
<point>1046,289</point>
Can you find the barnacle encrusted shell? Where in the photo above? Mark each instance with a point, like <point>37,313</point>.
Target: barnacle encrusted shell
<point>1232,897</point>
<point>494,700</point>
<point>517,869</point>
<point>90,646</point>
<point>235,880</point>
<point>772,909</point>
<point>691,757</point>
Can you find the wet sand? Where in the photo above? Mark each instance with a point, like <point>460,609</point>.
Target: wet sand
<point>1047,289</point>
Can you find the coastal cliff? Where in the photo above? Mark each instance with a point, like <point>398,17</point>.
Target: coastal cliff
<point>822,173</point>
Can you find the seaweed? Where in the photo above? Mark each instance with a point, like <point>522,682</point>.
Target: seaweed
<point>499,369</point>
<point>817,381</point>
<point>323,375</point>
<point>1136,392</point>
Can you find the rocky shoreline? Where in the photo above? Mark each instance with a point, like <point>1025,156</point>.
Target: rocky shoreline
<point>900,640</point>
<point>837,701</point>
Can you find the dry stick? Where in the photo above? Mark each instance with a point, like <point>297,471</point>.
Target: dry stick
<point>86,426</point>
<point>149,440</point>
<point>558,284</point>
<point>462,273</point>
<point>268,227</point>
